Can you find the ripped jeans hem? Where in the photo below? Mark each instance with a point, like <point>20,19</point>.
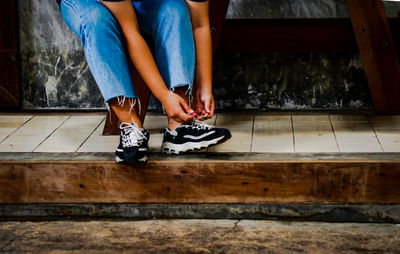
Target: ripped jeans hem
<point>121,102</point>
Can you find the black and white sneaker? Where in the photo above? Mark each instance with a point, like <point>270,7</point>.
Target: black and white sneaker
<point>133,144</point>
<point>192,136</point>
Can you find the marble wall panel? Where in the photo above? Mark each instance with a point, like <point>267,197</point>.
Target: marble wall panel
<point>54,72</point>
<point>297,9</point>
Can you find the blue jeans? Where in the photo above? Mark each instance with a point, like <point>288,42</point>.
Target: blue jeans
<point>167,21</point>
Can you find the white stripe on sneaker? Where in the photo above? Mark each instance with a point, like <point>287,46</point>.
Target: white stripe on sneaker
<point>199,137</point>
<point>188,146</point>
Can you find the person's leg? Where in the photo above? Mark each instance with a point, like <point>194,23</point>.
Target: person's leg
<point>168,22</point>
<point>108,61</point>
<point>105,53</point>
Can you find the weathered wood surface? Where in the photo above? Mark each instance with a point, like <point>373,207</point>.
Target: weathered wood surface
<point>377,50</point>
<point>218,10</point>
<point>197,181</point>
<point>198,157</point>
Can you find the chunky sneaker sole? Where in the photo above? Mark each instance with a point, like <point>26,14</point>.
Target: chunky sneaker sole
<point>122,161</point>
<point>170,148</point>
<point>120,158</point>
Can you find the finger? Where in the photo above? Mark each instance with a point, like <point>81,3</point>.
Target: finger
<point>178,119</point>
<point>200,117</point>
<point>186,107</point>
<point>185,117</point>
<point>207,106</point>
<point>198,106</point>
<point>211,114</point>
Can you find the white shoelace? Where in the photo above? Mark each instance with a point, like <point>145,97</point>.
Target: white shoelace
<point>133,136</point>
<point>201,125</point>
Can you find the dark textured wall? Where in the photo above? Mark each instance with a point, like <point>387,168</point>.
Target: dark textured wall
<point>55,73</point>
<point>287,81</point>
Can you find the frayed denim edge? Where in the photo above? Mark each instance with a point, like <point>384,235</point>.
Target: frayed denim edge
<point>121,101</point>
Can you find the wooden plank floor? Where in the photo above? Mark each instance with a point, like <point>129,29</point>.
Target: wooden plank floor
<point>258,133</point>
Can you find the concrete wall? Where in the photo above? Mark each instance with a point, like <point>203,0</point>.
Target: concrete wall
<point>55,74</point>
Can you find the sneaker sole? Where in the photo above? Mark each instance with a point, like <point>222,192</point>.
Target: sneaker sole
<point>170,148</point>
<point>119,160</point>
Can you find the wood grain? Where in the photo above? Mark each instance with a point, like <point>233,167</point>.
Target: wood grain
<point>378,53</point>
<point>226,181</point>
<point>218,10</point>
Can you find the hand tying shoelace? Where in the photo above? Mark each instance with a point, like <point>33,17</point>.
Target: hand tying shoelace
<point>201,125</point>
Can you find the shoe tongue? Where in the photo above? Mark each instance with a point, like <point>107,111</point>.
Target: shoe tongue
<point>183,125</point>
<point>132,125</point>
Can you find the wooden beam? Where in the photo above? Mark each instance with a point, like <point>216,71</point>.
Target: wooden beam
<point>218,9</point>
<point>9,81</point>
<point>378,53</point>
<point>288,36</point>
<point>234,179</point>
<point>292,35</point>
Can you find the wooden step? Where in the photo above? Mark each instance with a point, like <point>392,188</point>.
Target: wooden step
<point>292,178</point>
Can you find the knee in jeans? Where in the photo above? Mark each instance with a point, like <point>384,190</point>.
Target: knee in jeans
<point>175,10</point>
<point>99,21</point>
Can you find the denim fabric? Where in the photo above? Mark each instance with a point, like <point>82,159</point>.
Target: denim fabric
<point>167,21</point>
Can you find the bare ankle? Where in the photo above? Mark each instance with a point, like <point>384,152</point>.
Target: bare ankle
<point>172,125</point>
<point>126,111</point>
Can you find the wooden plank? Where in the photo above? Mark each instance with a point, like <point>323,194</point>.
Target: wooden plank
<point>29,157</point>
<point>196,181</point>
<point>241,128</point>
<point>9,82</point>
<point>378,53</point>
<point>70,136</point>
<point>355,135</point>
<point>31,134</point>
<point>272,133</point>
<point>10,123</point>
<point>387,129</point>
<point>100,143</point>
<point>292,35</point>
<point>313,134</point>
<point>218,9</point>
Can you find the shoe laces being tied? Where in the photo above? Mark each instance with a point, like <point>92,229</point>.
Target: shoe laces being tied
<point>200,125</point>
<point>133,136</point>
